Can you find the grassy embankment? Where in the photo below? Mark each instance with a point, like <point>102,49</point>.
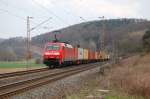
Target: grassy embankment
<point>130,79</point>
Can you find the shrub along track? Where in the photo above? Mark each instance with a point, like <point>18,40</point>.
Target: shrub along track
<point>17,87</point>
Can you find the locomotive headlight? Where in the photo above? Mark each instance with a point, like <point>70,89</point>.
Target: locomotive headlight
<point>47,53</point>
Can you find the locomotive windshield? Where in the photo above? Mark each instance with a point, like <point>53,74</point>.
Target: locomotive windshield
<point>52,47</point>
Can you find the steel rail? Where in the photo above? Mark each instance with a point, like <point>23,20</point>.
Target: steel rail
<point>19,73</point>
<point>21,86</point>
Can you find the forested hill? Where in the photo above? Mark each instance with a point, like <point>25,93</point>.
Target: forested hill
<point>121,31</point>
<point>126,34</point>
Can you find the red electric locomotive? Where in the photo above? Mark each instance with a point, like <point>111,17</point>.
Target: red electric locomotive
<point>57,54</point>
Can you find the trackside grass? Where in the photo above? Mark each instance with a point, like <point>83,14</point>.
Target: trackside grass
<point>120,96</point>
<point>129,79</point>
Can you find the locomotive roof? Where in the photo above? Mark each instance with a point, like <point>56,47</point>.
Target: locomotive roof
<point>61,44</point>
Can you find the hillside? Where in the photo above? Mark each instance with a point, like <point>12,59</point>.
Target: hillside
<point>15,48</point>
<point>1,40</point>
<point>120,32</point>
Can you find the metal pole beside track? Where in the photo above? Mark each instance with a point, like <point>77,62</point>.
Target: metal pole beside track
<point>102,36</point>
<point>27,44</point>
<point>28,40</point>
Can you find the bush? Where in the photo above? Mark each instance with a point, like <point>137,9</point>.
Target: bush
<point>133,79</point>
<point>146,41</point>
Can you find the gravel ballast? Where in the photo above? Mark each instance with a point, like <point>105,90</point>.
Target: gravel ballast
<point>57,89</point>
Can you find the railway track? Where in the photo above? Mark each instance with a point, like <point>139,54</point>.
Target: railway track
<point>19,73</point>
<point>10,89</point>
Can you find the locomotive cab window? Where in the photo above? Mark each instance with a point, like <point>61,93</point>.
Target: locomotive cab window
<point>52,47</point>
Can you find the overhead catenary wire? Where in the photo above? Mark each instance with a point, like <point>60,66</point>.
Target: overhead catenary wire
<point>12,6</point>
<point>43,7</point>
<point>50,12</point>
<point>18,16</point>
<point>22,18</point>
<point>74,15</point>
<point>40,24</point>
<point>12,14</point>
<point>16,7</point>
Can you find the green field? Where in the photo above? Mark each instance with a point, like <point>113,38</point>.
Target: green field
<point>19,64</point>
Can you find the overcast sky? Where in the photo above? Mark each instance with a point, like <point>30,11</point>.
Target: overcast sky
<point>63,13</point>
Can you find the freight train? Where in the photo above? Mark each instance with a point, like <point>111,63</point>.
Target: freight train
<point>57,54</point>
